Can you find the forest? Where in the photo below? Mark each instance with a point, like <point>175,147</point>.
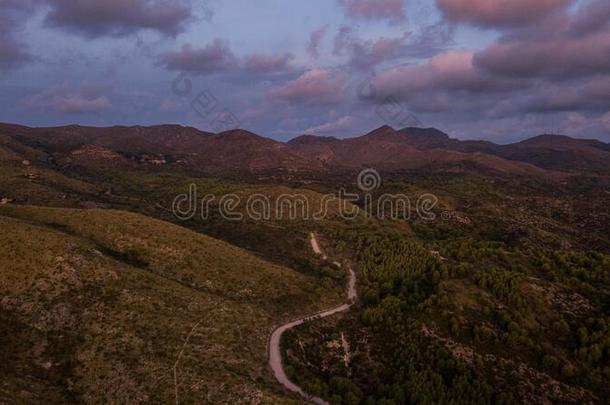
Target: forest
<point>450,326</point>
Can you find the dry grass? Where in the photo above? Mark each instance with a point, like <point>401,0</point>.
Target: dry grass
<point>97,305</point>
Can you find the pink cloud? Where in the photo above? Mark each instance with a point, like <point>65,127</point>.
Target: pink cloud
<point>499,13</point>
<point>558,54</point>
<point>450,70</point>
<point>321,86</point>
<point>375,9</point>
<point>261,63</point>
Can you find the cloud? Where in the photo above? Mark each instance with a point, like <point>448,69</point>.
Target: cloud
<point>313,47</point>
<point>558,66</point>
<point>12,52</point>
<point>264,63</point>
<point>453,70</point>
<point>593,16</point>
<point>499,13</point>
<point>316,86</point>
<point>344,123</point>
<point>392,10</point>
<point>214,57</point>
<point>560,56</point>
<point>448,84</point>
<point>568,46</point>
<point>13,13</point>
<point>89,98</point>
<point>94,18</point>
<point>366,54</point>
<point>587,95</point>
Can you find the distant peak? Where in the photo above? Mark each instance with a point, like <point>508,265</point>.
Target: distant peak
<point>561,142</point>
<point>383,128</point>
<point>309,139</point>
<point>424,131</point>
<point>381,131</point>
<point>241,135</point>
<point>237,132</point>
<point>551,139</point>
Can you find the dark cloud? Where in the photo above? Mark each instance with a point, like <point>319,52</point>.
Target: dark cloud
<point>213,58</point>
<point>560,56</point>
<point>366,54</point>
<point>344,40</point>
<point>499,13</point>
<point>589,95</point>
<point>95,18</point>
<point>13,13</point>
<point>429,41</point>
<point>313,47</point>
<point>392,10</point>
<point>266,63</point>
<point>12,52</point>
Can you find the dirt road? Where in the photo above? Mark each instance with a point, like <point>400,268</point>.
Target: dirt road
<point>275,354</point>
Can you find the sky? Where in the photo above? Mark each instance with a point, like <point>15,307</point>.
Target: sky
<point>501,70</point>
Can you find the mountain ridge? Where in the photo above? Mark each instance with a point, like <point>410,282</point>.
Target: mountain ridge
<point>384,148</point>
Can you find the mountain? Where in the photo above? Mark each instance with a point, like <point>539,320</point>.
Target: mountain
<point>408,149</point>
<point>552,152</point>
<point>427,138</point>
<point>237,150</point>
<point>558,152</point>
<point>240,151</point>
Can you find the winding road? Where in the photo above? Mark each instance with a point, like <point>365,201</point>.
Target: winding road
<point>275,354</point>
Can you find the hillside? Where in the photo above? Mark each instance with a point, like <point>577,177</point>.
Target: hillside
<point>96,306</point>
<point>169,146</point>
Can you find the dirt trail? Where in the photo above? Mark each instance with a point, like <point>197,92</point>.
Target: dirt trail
<point>275,354</point>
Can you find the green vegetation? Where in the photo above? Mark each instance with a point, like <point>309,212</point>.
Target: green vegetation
<point>398,280</point>
<point>579,269</point>
<point>480,307</point>
<point>97,304</point>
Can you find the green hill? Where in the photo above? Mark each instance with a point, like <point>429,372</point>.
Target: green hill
<point>96,306</point>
